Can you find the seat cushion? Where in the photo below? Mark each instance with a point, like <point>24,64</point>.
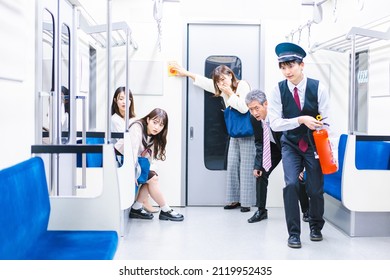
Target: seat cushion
<point>74,245</point>
<point>332,185</point>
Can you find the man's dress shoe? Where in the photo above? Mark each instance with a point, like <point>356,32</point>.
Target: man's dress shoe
<point>315,235</point>
<point>245,209</point>
<point>294,241</point>
<point>258,216</point>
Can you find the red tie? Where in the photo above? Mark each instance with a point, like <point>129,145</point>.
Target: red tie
<point>296,98</point>
<point>302,144</point>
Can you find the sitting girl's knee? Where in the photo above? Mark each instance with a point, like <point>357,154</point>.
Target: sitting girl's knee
<point>154,179</point>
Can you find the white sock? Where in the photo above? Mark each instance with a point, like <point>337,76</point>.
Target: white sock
<point>166,208</point>
<point>137,205</point>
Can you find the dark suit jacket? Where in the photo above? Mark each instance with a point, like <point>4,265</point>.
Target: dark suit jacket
<point>276,154</point>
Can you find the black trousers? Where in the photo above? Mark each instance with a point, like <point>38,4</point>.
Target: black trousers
<point>293,158</point>
<point>262,188</point>
<point>262,181</point>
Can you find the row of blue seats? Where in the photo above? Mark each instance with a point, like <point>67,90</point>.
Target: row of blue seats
<point>24,233</point>
<point>369,155</point>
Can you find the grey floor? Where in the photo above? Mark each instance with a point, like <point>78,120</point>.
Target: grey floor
<point>214,233</point>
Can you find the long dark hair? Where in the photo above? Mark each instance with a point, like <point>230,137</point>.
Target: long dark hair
<point>114,105</point>
<point>159,140</point>
<point>216,76</point>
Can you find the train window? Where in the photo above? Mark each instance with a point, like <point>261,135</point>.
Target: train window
<point>361,92</point>
<point>92,97</point>
<point>216,139</point>
<point>47,87</point>
<point>65,78</point>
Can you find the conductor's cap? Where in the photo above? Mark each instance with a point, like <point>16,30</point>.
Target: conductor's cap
<point>289,52</point>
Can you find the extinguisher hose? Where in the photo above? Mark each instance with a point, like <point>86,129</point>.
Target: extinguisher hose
<point>311,144</point>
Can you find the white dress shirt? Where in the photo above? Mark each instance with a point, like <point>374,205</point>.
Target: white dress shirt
<point>275,108</point>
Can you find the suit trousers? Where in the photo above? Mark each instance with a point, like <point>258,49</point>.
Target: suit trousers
<point>262,181</point>
<point>293,158</point>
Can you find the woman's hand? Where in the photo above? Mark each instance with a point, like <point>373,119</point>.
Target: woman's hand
<point>179,69</point>
<point>225,89</point>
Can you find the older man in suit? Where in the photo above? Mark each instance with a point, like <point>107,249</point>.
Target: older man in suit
<point>268,154</point>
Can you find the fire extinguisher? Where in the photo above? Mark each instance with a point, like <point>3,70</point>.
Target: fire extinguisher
<point>324,149</point>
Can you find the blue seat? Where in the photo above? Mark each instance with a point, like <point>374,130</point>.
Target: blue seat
<point>93,159</point>
<point>374,155</point>
<point>332,182</point>
<point>25,208</point>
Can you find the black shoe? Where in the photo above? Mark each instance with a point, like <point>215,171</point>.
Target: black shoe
<point>258,216</point>
<point>140,214</point>
<point>315,235</point>
<point>305,216</point>
<point>294,241</point>
<point>245,209</point>
<point>168,216</point>
<point>232,205</point>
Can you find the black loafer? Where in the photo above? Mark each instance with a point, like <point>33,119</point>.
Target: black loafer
<point>245,209</point>
<point>258,216</point>
<point>305,216</point>
<point>140,214</point>
<point>294,242</point>
<point>168,216</point>
<point>315,235</point>
<point>232,205</point>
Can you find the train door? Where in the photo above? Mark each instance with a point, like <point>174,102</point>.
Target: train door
<point>54,92</point>
<point>209,45</point>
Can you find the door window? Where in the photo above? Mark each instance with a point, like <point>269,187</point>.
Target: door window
<point>216,139</point>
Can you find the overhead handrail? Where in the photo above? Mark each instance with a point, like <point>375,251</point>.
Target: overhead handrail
<point>355,40</point>
<point>121,32</point>
<point>362,36</point>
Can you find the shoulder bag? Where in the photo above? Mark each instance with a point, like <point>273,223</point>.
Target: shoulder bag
<point>237,124</point>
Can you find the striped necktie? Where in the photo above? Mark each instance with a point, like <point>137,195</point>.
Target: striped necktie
<point>266,147</point>
<point>302,144</point>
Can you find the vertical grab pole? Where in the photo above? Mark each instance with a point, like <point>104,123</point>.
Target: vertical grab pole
<point>127,113</point>
<point>56,105</point>
<point>352,98</point>
<point>83,141</point>
<point>109,29</point>
<point>84,137</point>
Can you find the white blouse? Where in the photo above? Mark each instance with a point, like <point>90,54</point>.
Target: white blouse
<point>136,135</point>
<point>118,125</point>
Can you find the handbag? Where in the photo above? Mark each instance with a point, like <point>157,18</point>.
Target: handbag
<point>237,124</point>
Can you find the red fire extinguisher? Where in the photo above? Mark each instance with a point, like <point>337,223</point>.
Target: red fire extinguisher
<point>324,150</point>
